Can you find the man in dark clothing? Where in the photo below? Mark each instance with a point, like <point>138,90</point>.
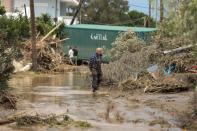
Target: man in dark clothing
<point>95,68</point>
<point>75,50</point>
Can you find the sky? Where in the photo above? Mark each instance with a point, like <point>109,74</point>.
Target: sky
<point>140,5</point>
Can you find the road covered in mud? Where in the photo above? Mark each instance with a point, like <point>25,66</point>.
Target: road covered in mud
<point>108,110</point>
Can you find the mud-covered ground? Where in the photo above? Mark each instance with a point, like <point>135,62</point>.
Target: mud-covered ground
<point>108,110</point>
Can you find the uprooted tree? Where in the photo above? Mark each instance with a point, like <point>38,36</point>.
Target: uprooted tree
<point>131,58</point>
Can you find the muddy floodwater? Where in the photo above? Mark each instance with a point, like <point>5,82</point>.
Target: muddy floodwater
<point>108,110</point>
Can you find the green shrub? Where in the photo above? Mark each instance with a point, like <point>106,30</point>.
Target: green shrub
<point>61,32</point>
<point>44,24</point>
<point>12,30</point>
<point>2,10</point>
<point>6,68</point>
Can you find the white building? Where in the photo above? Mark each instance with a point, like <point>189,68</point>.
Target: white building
<point>61,9</point>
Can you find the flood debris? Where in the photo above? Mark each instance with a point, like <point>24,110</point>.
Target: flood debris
<point>7,100</point>
<point>49,120</point>
<point>130,68</point>
<point>50,55</point>
<point>161,121</point>
<point>36,120</point>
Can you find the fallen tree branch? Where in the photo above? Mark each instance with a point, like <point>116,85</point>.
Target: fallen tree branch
<point>179,49</point>
<point>47,35</point>
<point>60,41</point>
<point>4,122</point>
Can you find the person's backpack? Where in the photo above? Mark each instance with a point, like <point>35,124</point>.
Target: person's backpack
<point>75,52</point>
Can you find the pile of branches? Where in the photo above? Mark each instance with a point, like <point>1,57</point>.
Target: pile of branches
<point>49,54</point>
<point>7,100</point>
<point>129,58</point>
<point>174,83</point>
<point>36,120</point>
<point>123,44</point>
<point>128,69</point>
<point>129,65</point>
<point>183,59</point>
<point>166,43</point>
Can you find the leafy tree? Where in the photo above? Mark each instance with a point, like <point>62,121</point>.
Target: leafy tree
<point>14,29</point>
<point>2,10</point>
<point>6,68</point>
<point>105,11</point>
<point>11,32</point>
<point>44,24</point>
<point>137,19</point>
<point>181,21</point>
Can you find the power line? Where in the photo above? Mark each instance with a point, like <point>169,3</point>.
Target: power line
<point>117,23</point>
<point>145,7</point>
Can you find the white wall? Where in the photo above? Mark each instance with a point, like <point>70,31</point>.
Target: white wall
<point>41,6</point>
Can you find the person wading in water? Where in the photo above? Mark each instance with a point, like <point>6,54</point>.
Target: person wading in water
<point>95,68</point>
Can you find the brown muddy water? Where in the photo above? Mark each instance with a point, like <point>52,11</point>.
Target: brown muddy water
<point>108,110</point>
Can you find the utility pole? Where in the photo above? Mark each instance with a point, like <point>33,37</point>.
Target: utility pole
<point>56,9</point>
<point>149,13</point>
<point>77,11</point>
<point>161,10</point>
<point>33,35</point>
<point>150,8</point>
<point>25,8</point>
<point>156,11</point>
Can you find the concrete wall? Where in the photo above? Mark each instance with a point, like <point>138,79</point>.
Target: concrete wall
<point>41,6</point>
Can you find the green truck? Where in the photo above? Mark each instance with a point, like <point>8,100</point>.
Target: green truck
<point>87,37</point>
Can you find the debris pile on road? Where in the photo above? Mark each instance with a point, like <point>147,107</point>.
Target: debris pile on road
<point>49,54</point>
<point>150,66</point>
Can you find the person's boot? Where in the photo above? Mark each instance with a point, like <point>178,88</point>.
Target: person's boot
<point>94,90</point>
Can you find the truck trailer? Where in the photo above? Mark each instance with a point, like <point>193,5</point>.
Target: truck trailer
<point>87,37</point>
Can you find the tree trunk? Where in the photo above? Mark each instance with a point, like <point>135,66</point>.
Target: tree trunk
<point>33,36</point>
<point>149,13</point>
<point>150,7</point>
<point>161,10</point>
<point>77,11</point>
